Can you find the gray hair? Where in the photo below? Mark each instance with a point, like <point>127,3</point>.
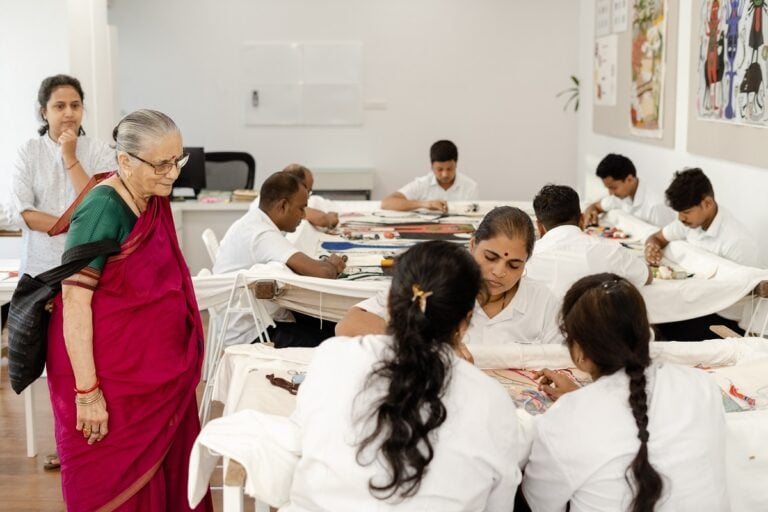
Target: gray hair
<point>141,128</point>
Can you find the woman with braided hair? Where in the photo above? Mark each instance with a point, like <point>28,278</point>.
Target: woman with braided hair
<point>644,436</point>
<point>400,420</point>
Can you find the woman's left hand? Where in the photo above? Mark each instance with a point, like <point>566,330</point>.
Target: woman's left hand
<point>92,419</point>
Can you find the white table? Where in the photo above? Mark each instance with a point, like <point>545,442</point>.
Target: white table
<point>193,217</point>
<point>241,384</point>
<point>357,180</point>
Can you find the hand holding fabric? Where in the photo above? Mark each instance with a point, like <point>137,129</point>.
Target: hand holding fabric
<point>554,384</point>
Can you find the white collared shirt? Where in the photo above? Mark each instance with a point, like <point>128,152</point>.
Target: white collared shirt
<point>584,443</point>
<point>427,188</point>
<point>645,206</point>
<point>531,317</point>
<point>252,239</point>
<point>565,254</point>
<point>41,183</point>
<point>477,449</point>
<point>726,237</point>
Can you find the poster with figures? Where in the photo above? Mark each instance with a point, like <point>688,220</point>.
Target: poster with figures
<point>648,48</point>
<point>733,62</point>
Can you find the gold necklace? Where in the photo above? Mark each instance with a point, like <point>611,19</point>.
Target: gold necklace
<point>133,197</point>
<point>503,299</point>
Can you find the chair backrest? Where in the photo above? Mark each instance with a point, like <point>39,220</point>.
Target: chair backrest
<point>229,170</point>
<point>193,174</point>
<point>211,244</point>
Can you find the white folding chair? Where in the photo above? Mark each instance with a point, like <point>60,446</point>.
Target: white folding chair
<point>241,300</point>
<point>759,306</point>
<point>211,244</point>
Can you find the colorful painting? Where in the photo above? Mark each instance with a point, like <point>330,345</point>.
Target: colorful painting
<point>733,61</point>
<point>648,49</point>
<point>524,389</point>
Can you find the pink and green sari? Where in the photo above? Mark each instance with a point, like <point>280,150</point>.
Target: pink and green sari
<point>148,351</point>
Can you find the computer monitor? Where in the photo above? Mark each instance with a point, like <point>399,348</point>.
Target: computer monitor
<point>193,174</point>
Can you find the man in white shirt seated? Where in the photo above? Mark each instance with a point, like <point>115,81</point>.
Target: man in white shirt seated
<point>435,189</point>
<point>257,238</point>
<point>564,253</point>
<point>314,211</point>
<point>627,193</point>
<point>703,223</point>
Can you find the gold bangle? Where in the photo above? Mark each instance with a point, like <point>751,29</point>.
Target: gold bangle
<point>87,400</point>
<point>73,164</point>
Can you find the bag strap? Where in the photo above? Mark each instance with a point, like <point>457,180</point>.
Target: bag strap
<point>77,258</point>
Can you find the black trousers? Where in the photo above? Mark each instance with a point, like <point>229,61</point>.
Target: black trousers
<point>305,332</point>
<point>694,329</point>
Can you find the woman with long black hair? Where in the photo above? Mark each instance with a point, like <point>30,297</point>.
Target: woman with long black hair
<point>642,437</point>
<point>399,420</point>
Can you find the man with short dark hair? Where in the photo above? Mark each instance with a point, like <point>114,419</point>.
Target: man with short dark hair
<point>435,189</point>
<point>257,237</point>
<point>565,254</point>
<point>627,193</point>
<point>704,224</point>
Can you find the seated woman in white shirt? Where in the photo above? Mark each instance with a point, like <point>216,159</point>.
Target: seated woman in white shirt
<point>511,308</point>
<point>643,436</point>
<point>400,421</point>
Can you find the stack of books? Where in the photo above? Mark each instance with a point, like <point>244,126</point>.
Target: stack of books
<point>246,195</point>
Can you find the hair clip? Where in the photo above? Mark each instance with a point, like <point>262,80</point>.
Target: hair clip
<point>421,295</point>
<point>610,285</point>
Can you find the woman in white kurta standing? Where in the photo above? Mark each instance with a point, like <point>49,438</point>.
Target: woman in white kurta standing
<point>644,436</point>
<point>52,169</point>
<point>401,422</point>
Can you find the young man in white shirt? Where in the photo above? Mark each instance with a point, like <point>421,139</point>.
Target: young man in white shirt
<point>435,189</point>
<point>704,224</point>
<point>627,193</point>
<point>257,237</point>
<point>564,253</point>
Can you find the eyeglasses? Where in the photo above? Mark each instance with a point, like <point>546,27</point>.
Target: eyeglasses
<point>165,167</point>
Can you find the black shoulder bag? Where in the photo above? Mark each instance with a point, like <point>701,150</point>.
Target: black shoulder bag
<point>28,317</point>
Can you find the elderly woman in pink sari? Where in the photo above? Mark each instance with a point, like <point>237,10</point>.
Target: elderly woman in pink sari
<point>125,341</point>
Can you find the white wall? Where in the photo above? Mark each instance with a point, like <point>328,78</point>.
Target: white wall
<point>33,46</point>
<point>483,73</point>
<point>40,38</point>
<point>90,61</point>
<point>740,188</point>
